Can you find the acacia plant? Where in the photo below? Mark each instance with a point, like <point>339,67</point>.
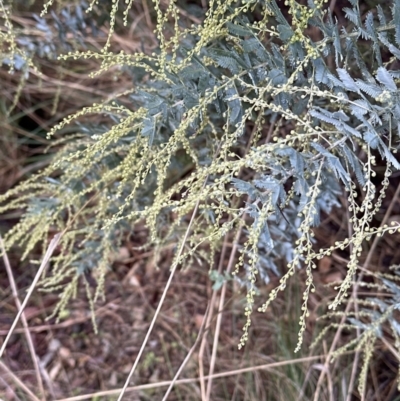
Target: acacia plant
<point>246,126</point>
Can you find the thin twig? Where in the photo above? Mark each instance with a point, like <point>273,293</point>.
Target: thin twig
<point>27,333</point>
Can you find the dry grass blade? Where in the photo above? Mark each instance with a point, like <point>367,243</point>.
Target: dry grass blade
<point>220,309</point>
<point>18,382</point>
<point>23,318</point>
<point>390,347</point>
<point>205,394</point>
<point>9,389</point>
<point>163,296</point>
<point>208,323</point>
<point>149,386</point>
<point>52,246</point>
<point>189,354</point>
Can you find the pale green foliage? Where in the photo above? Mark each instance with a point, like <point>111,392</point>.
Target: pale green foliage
<point>182,138</point>
<point>372,315</point>
<point>11,54</point>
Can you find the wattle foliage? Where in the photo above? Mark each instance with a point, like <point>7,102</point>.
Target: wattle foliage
<point>249,122</point>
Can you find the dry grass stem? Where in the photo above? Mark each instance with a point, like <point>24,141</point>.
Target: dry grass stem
<point>163,296</point>
<point>150,386</point>
<point>220,311</point>
<point>208,318</point>
<point>18,382</point>
<point>188,356</point>
<point>28,336</point>
<point>52,246</point>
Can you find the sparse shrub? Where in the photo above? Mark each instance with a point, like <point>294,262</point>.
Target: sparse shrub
<point>250,122</point>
